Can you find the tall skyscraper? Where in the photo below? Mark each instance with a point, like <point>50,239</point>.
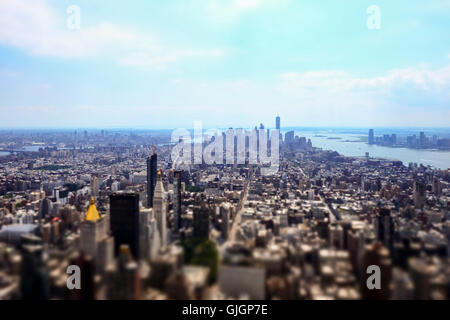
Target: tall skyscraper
<point>436,186</point>
<point>160,209</point>
<point>289,136</point>
<point>176,200</point>
<point>152,167</point>
<point>124,215</point>
<point>277,123</point>
<point>94,237</point>
<point>124,278</point>
<point>94,187</point>
<point>34,278</point>
<point>371,137</point>
<point>224,210</point>
<point>384,226</point>
<point>201,219</point>
<point>150,240</point>
<point>45,207</point>
<point>419,193</point>
<point>423,139</point>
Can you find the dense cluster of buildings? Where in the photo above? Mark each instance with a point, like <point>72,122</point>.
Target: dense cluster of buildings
<point>138,227</point>
<point>413,141</point>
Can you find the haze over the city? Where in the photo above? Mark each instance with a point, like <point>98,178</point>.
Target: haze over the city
<point>165,64</point>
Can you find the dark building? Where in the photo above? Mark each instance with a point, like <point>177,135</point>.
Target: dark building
<point>34,279</point>
<point>419,192</point>
<point>123,278</point>
<point>278,127</point>
<point>176,200</point>
<point>152,168</point>
<point>87,291</point>
<point>45,206</point>
<point>124,216</point>
<point>201,220</point>
<point>385,228</point>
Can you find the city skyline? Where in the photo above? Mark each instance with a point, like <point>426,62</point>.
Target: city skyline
<point>164,65</point>
<point>321,226</point>
<point>224,155</point>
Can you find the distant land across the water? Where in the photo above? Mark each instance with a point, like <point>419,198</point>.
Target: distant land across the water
<point>350,142</point>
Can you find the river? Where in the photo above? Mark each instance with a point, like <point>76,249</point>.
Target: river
<point>350,145</point>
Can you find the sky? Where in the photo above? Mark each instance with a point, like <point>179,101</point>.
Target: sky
<point>165,64</point>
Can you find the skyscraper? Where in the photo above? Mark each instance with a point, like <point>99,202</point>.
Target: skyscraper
<point>160,209</point>
<point>91,231</point>
<point>201,219</point>
<point>34,278</point>
<point>289,136</point>
<point>423,139</point>
<point>371,137</point>
<point>224,210</point>
<point>152,167</point>
<point>94,187</point>
<point>45,207</point>
<point>123,278</point>
<point>419,193</point>
<point>94,240</point>
<point>436,186</point>
<point>124,215</point>
<point>176,200</point>
<point>277,123</point>
<point>384,227</point>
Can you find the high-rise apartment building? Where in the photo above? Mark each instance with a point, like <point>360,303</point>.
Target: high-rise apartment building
<point>160,209</point>
<point>201,219</point>
<point>124,215</point>
<point>419,193</point>
<point>94,187</point>
<point>152,167</point>
<point>371,137</point>
<point>176,200</point>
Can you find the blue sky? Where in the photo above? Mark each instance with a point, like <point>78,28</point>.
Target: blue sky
<point>164,64</point>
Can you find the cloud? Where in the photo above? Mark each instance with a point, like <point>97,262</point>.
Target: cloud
<point>35,28</point>
<point>402,95</point>
<point>229,11</point>
<point>9,73</point>
<point>421,78</point>
<point>248,3</point>
<point>162,59</point>
<point>416,96</point>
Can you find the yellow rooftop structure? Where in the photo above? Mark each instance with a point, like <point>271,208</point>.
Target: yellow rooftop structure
<point>92,214</point>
